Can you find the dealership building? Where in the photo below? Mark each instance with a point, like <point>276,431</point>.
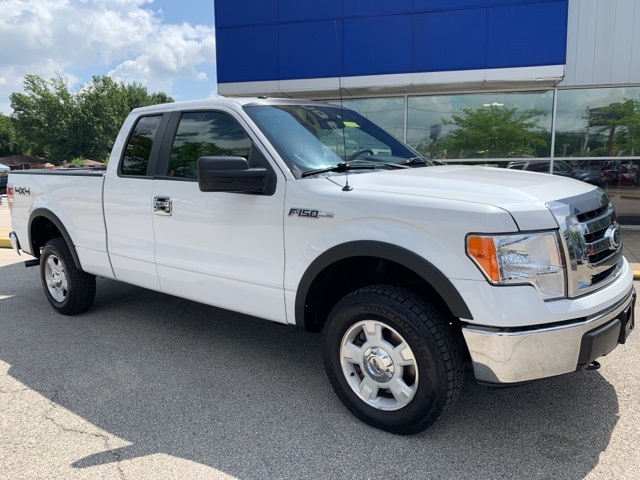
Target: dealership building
<point>547,85</point>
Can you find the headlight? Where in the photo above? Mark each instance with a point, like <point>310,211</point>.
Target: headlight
<point>529,258</point>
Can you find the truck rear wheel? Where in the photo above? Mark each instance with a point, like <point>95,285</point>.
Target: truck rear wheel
<point>68,289</point>
<point>392,358</point>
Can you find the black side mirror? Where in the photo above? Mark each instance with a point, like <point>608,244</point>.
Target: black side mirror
<point>230,174</point>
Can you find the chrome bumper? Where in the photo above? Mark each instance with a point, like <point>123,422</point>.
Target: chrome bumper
<point>503,357</point>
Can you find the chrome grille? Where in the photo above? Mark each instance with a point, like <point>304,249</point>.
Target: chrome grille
<point>591,241</point>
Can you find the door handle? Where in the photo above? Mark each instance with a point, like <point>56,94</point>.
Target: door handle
<point>162,206</point>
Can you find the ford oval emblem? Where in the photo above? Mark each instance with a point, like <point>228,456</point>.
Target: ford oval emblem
<point>613,234</point>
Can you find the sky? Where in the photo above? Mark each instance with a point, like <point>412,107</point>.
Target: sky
<point>165,45</point>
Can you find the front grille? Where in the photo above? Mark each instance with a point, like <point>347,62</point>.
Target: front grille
<point>591,241</point>
<point>586,216</point>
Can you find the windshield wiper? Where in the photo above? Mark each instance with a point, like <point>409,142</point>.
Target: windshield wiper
<point>414,161</point>
<point>374,162</point>
<point>338,167</point>
<point>358,164</point>
<point>366,164</point>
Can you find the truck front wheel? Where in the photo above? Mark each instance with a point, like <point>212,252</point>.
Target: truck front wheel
<point>68,289</point>
<point>392,358</point>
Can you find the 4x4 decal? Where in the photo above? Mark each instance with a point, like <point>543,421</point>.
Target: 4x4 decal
<point>22,191</point>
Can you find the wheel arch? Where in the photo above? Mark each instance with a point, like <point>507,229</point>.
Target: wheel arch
<point>45,225</point>
<point>397,262</point>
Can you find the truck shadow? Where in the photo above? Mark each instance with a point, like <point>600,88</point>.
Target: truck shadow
<point>250,398</point>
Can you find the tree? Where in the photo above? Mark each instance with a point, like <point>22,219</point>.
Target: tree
<point>8,139</point>
<point>102,107</point>
<point>44,115</point>
<point>493,132</point>
<point>60,125</point>
<point>621,122</point>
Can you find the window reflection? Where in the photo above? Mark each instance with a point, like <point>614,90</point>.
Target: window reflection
<point>598,122</point>
<point>468,126</point>
<point>203,134</point>
<point>138,149</point>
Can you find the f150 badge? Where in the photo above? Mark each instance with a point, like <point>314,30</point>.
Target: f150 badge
<point>309,213</point>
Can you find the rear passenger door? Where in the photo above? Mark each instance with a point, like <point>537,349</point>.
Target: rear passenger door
<point>127,203</point>
<point>221,248</point>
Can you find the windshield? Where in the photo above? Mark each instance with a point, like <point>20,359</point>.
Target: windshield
<point>314,137</point>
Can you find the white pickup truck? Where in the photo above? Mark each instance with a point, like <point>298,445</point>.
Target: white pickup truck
<point>308,214</point>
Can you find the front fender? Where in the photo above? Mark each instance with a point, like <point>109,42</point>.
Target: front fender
<point>394,253</point>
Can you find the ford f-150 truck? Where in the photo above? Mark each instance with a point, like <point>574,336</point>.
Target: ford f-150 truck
<point>309,214</point>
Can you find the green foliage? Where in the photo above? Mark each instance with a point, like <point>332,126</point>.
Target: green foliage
<point>79,161</point>
<point>53,122</point>
<point>184,158</point>
<point>493,132</point>
<point>611,130</point>
<point>620,121</point>
<point>8,138</point>
<point>43,116</point>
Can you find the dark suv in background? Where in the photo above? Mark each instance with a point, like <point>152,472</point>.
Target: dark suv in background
<point>560,167</point>
<point>3,183</point>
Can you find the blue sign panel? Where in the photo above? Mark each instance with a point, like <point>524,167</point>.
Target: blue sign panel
<point>260,40</point>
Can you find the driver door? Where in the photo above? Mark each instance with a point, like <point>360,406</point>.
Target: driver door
<point>220,248</point>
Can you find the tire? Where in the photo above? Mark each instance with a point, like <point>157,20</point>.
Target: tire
<point>69,290</point>
<point>392,358</point>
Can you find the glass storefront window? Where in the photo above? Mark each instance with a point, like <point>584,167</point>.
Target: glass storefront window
<point>598,122</point>
<point>470,126</point>
<point>596,133</point>
<point>604,123</point>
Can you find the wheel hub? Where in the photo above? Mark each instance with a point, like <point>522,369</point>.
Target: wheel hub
<point>378,364</point>
<point>56,280</point>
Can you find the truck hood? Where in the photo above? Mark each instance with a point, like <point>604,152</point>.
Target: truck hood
<point>523,194</point>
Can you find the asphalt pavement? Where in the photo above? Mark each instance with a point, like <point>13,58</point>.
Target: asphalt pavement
<point>146,385</point>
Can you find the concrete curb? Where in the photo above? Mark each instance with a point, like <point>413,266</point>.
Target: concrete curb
<point>5,243</point>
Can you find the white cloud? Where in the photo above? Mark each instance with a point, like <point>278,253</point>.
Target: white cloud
<point>80,38</point>
<point>178,51</point>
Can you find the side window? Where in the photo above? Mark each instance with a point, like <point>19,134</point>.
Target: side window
<point>561,167</point>
<point>138,149</point>
<point>203,134</point>
<point>539,167</point>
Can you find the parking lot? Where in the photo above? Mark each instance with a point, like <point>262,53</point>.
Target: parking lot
<point>146,385</point>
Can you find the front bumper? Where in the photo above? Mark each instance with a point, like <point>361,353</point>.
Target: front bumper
<point>504,356</point>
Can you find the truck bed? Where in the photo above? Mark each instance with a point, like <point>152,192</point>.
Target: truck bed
<point>74,198</point>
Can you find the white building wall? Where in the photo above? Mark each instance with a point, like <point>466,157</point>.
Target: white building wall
<point>603,47</point>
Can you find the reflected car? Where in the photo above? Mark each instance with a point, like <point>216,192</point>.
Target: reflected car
<point>621,175</point>
<point>560,167</point>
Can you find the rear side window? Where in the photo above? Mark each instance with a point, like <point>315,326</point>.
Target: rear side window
<point>539,167</point>
<point>138,149</point>
<point>203,134</point>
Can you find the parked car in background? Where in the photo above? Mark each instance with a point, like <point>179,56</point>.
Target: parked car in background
<point>620,175</point>
<point>560,167</point>
<point>3,183</point>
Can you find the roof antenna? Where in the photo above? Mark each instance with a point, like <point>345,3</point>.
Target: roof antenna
<point>347,187</point>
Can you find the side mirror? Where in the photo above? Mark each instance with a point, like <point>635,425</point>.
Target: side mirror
<point>230,174</point>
